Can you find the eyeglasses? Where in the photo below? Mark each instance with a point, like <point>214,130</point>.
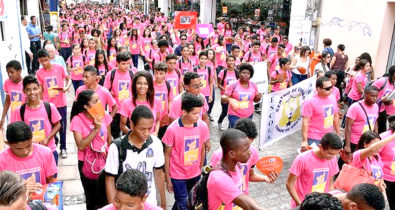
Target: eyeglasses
<point>183,39</point>
<point>327,88</point>
<point>297,48</point>
<point>197,86</point>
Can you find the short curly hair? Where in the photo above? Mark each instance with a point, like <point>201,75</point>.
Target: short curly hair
<point>369,194</point>
<point>18,132</point>
<point>247,126</point>
<point>322,201</point>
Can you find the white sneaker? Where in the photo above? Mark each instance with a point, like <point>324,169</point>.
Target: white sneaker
<point>220,127</point>
<point>63,153</point>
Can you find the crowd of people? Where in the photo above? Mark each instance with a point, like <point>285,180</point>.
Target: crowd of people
<point>154,134</point>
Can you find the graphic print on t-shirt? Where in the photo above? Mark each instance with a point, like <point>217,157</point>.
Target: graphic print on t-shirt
<point>372,119</point>
<point>78,65</point>
<point>328,116</point>
<point>123,90</point>
<point>31,175</point>
<point>142,167</point>
<point>162,98</point>
<point>38,129</point>
<point>319,180</point>
<point>203,79</point>
<point>244,99</point>
<point>191,149</point>
<point>16,100</point>
<point>393,162</point>
<point>52,84</point>
<point>377,172</point>
<point>173,87</point>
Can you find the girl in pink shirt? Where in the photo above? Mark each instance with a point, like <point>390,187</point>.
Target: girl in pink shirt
<point>220,54</point>
<point>101,65</point>
<point>145,42</point>
<point>143,93</point>
<point>91,52</point>
<point>75,66</point>
<point>241,94</point>
<point>281,78</point>
<point>134,47</point>
<point>112,49</point>
<point>228,36</point>
<point>93,132</point>
<point>193,57</point>
<point>359,82</point>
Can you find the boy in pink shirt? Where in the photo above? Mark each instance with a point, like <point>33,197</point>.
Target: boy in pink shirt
<point>42,117</point>
<point>120,87</point>
<point>91,79</point>
<point>225,182</point>
<point>255,55</point>
<point>206,78</point>
<point>320,114</point>
<point>34,162</point>
<point>247,126</point>
<point>131,190</point>
<point>185,142</point>
<point>333,78</point>
<point>361,116</point>
<point>312,171</point>
<point>14,90</point>
<point>51,78</point>
<point>173,75</point>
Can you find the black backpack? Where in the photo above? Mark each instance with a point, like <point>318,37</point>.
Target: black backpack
<point>113,75</point>
<point>224,76</point>
<point>250,54</point>
<point>198,196</point>
<point>47,109</point>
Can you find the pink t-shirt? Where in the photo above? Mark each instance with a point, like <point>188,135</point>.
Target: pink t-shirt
<point>174,81</point>
<point>184,65</point>
<point>336,93</point>
<point>223,189</point>
<point>176,111</point>
<point>245,167</point>
<point>105,96</point>
<point>90,56</point>
<point>121,88</point>
<point>145,44</point>
<point>40,164</point>
<point>283,85</point>
<point>134,47</point>
<point>147,206</point>
<point>187,144</point>
<point>112,55</point>
<point>220,55</point>
<point>361,123</point>
<point>373,166</point>
<point>102,70</point>
<point>39,123</point>
<point>78,62</point>
<point>360,78</point>
<point>387,155</point>
<point>15,92</point>
<point>321,112</point>
<point>50,80</point>
<point>385,91</point>
<point>254,57</point>
<point>314,174</point>
<point>229,79</point>
<point>274,59</point>
<point>205,77</point>
<point>245,97</point>
<point>288,48</point>
<point>80,124</point>
<point>65,36</point>
<point>164,95</point>
<point>269,51</point>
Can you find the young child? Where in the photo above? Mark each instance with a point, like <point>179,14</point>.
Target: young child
<point>75,66</point>
<point>164,93</point>
<point>35,113</point>
<point>281,78</point>
<point>51,78</point>
<point>14,90</point>
<point>185,143</point>
<point>35,163</point>
<point>131,190</point>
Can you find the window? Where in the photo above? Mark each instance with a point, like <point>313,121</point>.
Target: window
<point>23,7</point>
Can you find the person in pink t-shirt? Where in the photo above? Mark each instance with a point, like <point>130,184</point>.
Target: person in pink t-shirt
<point>274,60</point>
<point>361,117</point>
<point>13,88</point>
<point>207,79</point>
<point>131,192</point>
<point>143,93</point>
<point>95,132</point>
<point>313,170</point>
<point>225,185</point>
<point>75,66</point>
<point>173,75</point>
<point>51,78</point>
<point>320,114</point>
<point>241,94</point>
<point>281,77</point>
<point>220,53</point>
<point>185,149</point>
<point>35,163</point>
<point>135,47</point>
<point>332,75</point>
<point>359,82</point>
<point>35,114</point>
<point>271,49</point>
<point>254,55</point>
<point>247,126</point>
<point>91,52</point>
<point>184,65</point>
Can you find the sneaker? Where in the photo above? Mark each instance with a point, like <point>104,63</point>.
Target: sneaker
<point>210,118</point>
<point>63,153</point>
<point>220,127</point>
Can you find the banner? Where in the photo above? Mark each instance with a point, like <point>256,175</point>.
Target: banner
<point>204,30</point>
<point>282,111</point>
<point>185,20</point>
<point>260,76</point>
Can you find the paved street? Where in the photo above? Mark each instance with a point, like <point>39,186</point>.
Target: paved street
<point>271,196</point>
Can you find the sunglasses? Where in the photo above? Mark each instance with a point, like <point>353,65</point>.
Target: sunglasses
<point>327,88</point>
<point>183,39</point>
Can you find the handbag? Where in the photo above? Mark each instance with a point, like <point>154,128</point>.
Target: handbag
<point>350,176</point>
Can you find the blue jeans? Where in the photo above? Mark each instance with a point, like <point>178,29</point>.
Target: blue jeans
<point>296,78</point>
<point>63,127</point>
<point>181,188</point>
<point>135,59</point>
<point>233,119</point>
<point>65,52</point>
<point>77,84</point>
<point>228,48</point>
<point>311,141</point>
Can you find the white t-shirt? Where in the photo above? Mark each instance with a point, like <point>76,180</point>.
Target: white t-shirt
<point>151,156</point>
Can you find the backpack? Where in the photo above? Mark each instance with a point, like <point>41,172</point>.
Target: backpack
<point>168,87</point>
<point>47,109</point>
<point>179,65</point>
<point>198,196</point>
<point>83,60</point>
<point>95,157</point>
<point>113,75</point>
<point>208,69</point>
<point>123,145</point>
<point>249,55</point>
<point>224,76</point>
